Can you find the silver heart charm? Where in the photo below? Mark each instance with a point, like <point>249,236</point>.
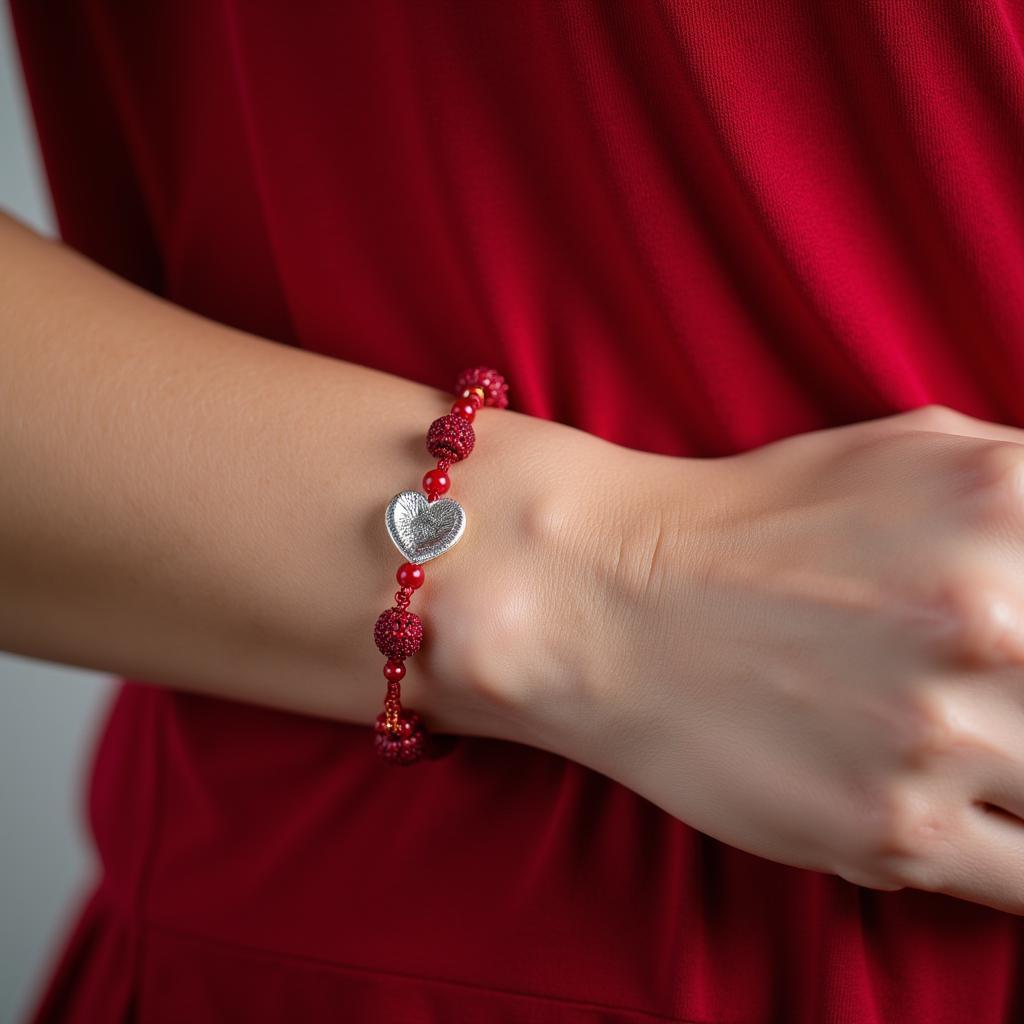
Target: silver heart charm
<point>422,529</point>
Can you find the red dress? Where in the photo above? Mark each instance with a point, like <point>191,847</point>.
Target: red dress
<point>744,221</point>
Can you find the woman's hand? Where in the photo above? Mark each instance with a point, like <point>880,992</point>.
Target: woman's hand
<point>813,651</point>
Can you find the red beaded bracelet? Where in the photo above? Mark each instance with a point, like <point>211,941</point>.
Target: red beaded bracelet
<point>423,528</point>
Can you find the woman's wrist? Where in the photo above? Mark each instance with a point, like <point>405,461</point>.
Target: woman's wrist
<point>647,540</point>
<point>486,602</point>
<point>537,616</point>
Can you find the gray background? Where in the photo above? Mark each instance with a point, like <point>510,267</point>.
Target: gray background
<point>48,713</point>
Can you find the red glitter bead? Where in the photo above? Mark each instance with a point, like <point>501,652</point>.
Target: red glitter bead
<point>408,746</point>
<point>410,575</point>
<point>436,481</point>
<point>465,408</point>
<point>450,437</point>
<point>493,383</point>
<point>393,670</point>
<point>398,633</point>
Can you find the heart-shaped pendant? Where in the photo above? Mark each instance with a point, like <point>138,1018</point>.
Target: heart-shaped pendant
<point>422,529</point>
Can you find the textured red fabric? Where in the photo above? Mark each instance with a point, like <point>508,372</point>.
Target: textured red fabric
<point>744,221</point>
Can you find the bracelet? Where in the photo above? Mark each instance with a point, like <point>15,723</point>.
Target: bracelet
<point>423,528</point>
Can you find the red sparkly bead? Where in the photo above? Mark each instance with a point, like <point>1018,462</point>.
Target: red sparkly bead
<point>436,481</point>
<point>493,383</point>
<point>465,408</point>
<point>393,670</point>
<point>408,746</point>
<point>398,633</point>
<point>410,574</point>
<point>450,437</point>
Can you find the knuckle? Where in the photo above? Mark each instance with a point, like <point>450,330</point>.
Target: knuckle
<point>995,472</point>
<point>933,416</point>
<point>901,821</point>
<point>907,839</point>
<point>979,617</point>
<point>934,728</point>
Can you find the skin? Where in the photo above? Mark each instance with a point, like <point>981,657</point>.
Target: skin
<point>811,651</point>
<point>824,664</point>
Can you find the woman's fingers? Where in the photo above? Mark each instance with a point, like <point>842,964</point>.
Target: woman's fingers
<point>998,786</point>
<point>970,844</point>
<point>988,865</point>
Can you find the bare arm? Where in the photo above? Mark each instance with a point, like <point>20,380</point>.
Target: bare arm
<point>186,503</point>
<point>813,651</point>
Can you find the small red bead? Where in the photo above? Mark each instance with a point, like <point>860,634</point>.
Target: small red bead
<point>410,574</point>
<point>436,481</point>
<point>465,408</point>
<point>393,670</point>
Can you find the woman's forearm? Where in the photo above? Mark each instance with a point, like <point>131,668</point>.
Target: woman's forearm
<point>189,504</point>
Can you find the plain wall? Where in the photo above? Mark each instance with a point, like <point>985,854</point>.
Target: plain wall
<point>48,713</point>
